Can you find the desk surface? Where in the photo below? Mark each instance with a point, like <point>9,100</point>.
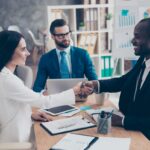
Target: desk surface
<point>45,141</point>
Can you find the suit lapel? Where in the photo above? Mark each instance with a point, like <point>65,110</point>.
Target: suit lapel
<point>146,83</point>
<point>73,60</point>
<point>55,64</point>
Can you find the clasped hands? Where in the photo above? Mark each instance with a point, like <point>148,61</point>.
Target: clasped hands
<point>85,88</point>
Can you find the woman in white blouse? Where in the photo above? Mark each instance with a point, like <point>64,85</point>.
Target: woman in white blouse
<point>15,98</point>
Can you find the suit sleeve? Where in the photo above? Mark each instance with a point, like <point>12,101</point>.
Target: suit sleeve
<point>19,93</point>
<point>41,77</point>
<point>90,71</point>
<point>114,84</point>
<point>138,123</point>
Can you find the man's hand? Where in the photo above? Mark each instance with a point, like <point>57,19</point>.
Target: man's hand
<point>81,91</point>
<point>40,116</point>
<point>88,87</point>
<point>116,119</point>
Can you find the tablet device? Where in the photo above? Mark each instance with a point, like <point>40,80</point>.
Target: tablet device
<point>60,109</point>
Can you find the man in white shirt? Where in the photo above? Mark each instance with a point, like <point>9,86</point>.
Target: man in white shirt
<point>65,61</point>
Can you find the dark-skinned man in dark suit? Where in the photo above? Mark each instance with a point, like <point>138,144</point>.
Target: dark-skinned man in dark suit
<point>134,101</point>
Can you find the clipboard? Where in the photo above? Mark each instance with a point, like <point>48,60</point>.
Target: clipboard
<point>67,125</point>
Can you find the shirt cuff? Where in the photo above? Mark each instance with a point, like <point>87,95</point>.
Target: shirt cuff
<point>123,121</point>
<point>98,87</point>
<point>42,91</point>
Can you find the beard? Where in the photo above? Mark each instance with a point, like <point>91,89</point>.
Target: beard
<point>63,44</point>
<point>142,51</point>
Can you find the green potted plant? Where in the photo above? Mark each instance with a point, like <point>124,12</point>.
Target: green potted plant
<point>82,26</point>
<point>109,16</point>
<point>108,20</point>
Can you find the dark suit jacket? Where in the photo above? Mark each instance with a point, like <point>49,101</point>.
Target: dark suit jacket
<point>49,67</point>
<point>137,113</point>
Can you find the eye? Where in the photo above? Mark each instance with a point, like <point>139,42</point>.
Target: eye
<point>23,49</point>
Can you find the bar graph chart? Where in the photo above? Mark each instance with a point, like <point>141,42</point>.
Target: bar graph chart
<point>126,18</point>
<point>125,41</point>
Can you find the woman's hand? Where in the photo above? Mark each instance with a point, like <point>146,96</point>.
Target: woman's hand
<point>81,91</point>
<point>41,116</point>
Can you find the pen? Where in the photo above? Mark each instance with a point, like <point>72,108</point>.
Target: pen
<point>109,115</point>
<point>91,143</point>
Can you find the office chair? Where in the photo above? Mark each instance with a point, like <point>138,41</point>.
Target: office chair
<point>37,42</point>
<point>25,74</point>
<point>14,28</point>
<point>38,48</point>
<point>1,28</point>
<point>16,146</point>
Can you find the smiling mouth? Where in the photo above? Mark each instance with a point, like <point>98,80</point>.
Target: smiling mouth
<point>136,48</point>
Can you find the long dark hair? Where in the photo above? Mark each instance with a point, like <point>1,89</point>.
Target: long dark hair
<point>9,40</point>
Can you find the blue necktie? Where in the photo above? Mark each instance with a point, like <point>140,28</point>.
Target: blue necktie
<point>64,71</point>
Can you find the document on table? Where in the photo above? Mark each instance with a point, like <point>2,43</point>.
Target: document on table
<point>108,143</point>
<point>83,142</point>
<point>73,142</point>
<point>67,125</point>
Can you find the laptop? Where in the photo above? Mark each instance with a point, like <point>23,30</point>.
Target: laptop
<point>59,85</point>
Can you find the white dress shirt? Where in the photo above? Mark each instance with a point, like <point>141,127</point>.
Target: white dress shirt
<point>146,71</point>
<point>15,106</point>
<point>68,57</point>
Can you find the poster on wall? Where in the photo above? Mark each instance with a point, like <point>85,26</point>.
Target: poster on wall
<point>127,15</point>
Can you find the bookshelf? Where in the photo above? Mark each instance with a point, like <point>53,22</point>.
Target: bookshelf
<point>91,30</point>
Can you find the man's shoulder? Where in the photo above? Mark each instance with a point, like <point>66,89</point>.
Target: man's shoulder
<point>49,54</point>
<point>78,49</point>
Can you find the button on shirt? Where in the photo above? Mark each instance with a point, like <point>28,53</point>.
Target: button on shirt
<point>68,57</point>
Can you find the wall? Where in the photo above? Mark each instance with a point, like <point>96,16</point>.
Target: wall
<point>30,14</point>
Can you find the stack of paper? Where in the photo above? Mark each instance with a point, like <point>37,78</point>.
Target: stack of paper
<point>108,143</point>
<point>67,125</point>
<point>83,142</point>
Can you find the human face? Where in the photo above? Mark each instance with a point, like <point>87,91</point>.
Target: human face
<point>20,54</point>
<point>141,40</point>
<point>62,37</point>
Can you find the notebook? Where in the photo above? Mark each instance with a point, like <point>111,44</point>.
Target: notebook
<point>67,125</point>
<point>83,142</point>
<point>58,85</point>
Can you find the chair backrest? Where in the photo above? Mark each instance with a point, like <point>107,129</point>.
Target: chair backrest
<point>1,28</point>
<point>37,42</point>
<point>14,28</point>
<point>25,74</point>
<point>16,146</point>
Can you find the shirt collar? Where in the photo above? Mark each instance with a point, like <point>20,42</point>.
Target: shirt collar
<point>6,70</point>
<point>67,50</point>
<point>147,63</point>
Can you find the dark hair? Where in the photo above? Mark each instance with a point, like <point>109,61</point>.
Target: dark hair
<point>146,22</point>
<point>9,40</point>
<point>57,23</point>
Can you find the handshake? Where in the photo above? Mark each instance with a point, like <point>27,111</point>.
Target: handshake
<point>85,88</point>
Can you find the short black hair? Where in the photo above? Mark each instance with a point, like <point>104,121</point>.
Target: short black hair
<point>57,23</point>
<point>146,22</point>
<point>9,40</point>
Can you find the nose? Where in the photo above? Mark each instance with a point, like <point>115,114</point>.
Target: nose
<point>27,52</point>
<point>133,41</point>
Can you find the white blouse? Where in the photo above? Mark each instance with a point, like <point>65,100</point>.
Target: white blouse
<point>15,106</point>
